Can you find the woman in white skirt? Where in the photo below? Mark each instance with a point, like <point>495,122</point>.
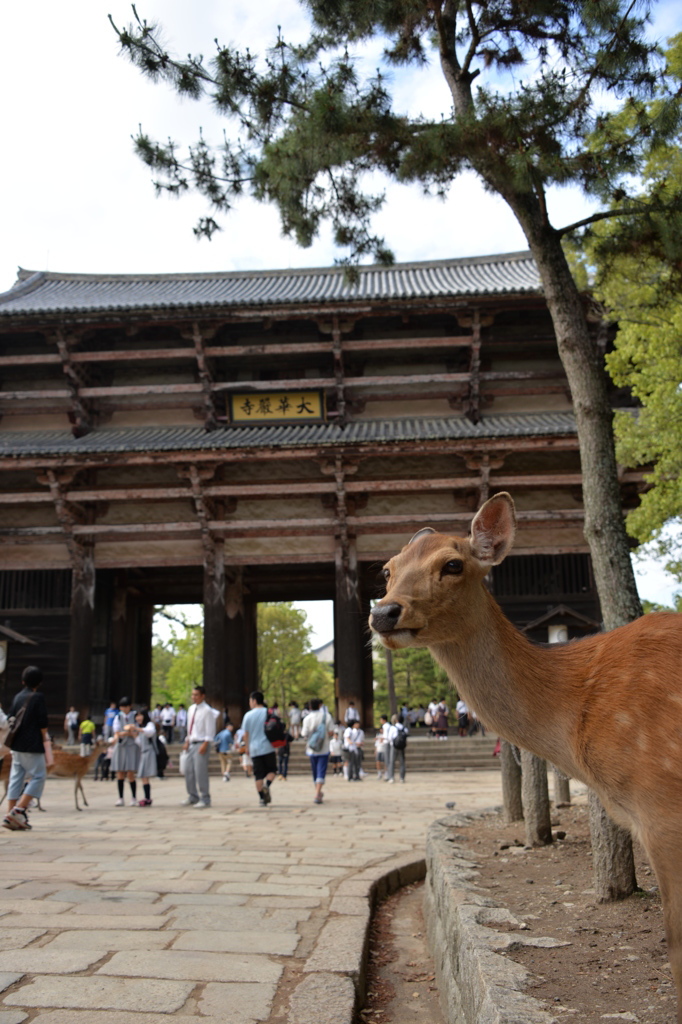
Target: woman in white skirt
<point>126,755</point>
<point>146,741</point>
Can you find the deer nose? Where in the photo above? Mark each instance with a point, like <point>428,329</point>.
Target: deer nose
<point>385,617</point>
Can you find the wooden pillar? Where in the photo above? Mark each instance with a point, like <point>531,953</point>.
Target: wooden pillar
<point>215,627</point>
<point>122,664</point>
<point>142,688</point>
<point>349,635</point>
<point>241,655</point>
<point>81,628</point>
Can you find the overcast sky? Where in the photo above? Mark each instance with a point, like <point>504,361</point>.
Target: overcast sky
<point>76,199</point>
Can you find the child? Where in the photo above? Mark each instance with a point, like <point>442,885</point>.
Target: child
<point>86,736</point>
<point>335,753</point>
<point>224,741</point>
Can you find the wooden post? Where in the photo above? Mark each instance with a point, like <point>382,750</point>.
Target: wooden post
<point>142,684</point>
<point>81,628</point>
<point>349,635</point>
<point>215,627</point>
<point>241,658</point>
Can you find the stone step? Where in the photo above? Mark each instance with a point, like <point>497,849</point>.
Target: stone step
<point>424,755</point>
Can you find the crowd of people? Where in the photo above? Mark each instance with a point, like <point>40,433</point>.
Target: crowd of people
<point>135,744</point>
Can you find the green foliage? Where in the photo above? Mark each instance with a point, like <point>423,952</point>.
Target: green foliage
<point>418,679</point>
<point>653,606</point>
<point>177,665</point>
<point>287,668</point>
<point>304,124</point>
<point>638,261</point>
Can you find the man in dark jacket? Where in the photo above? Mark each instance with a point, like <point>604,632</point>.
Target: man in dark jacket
<point>28,750</point>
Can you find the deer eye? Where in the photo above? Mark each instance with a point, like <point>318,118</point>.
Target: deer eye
<point>386,573</point>
<point>453,568</point>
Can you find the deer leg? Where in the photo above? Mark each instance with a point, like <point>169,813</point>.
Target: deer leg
<point>667,871</point>
<point>75,792</point>
<point>80,786</point>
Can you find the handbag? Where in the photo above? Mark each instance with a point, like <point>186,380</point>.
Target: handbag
<point>182,763</point>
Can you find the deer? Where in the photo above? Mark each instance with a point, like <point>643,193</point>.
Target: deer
<point>574,704</point>
<point>73,766</point>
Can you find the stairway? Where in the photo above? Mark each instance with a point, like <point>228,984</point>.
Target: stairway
<point>422,755</point>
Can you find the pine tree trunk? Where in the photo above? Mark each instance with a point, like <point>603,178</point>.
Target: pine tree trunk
<point>511,783</point>
<point>613,861</point>
<point>535,800</point>
<point>390,683</point>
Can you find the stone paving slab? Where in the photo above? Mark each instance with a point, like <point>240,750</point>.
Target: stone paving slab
<point>238,1004</point>
<point>236,916</point>
<point>111,939</point>
<point>19,936</point>
<point>100,993</point>
<point>239,941</point>
<point>7,979</point>
<point>12,1016</point>
<point>193,965</point>
<point>48,960</point>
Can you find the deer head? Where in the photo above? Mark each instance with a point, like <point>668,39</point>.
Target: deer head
<point>437,580</point>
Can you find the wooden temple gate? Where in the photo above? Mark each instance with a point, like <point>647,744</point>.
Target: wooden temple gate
<point>257,436</point>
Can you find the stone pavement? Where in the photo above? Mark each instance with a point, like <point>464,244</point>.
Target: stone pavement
<point>237,913</point>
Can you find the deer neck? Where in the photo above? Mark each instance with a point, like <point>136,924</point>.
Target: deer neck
<point>517,689</point>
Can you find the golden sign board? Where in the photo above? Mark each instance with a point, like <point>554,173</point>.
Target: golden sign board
<point>278,407</point>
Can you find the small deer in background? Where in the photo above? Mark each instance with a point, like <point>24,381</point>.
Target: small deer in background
<point>73,766</point>
<point>575,704</point>
<point>66,766</point>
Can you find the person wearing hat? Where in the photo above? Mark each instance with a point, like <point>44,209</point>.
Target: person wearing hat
<point>126,755</point>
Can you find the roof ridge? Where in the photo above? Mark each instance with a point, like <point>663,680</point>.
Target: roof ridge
<point>25,276</point>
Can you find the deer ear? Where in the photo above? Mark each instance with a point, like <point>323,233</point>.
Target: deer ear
<point>493,529</point>
<point>421,533</point>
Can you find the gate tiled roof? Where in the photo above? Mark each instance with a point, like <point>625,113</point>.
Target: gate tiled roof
<point>43,292</point>
<point>160,439</point>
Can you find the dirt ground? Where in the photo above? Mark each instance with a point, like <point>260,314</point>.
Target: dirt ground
<point>616,966</point>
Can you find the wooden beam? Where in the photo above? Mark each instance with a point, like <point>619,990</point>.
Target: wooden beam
<point>240,351</point>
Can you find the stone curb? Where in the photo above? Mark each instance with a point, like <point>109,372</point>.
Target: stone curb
<point>334,986</point>
<point>477,985</point>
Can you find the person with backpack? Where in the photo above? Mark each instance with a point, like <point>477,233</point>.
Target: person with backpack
<point>397,742</point>
<point>258,746</point>
<point>317,729</point>
<point>26,739</point>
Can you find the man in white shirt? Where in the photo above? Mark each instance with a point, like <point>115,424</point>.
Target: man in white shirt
<point>396,731</point>
<point>353,739</point>
<point>168,721</point>
<point>351,716</point>
<point>200,732</point>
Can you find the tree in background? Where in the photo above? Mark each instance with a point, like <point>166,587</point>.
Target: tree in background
<point>177,664</point>
<point>287,668</point>
<point>638,263</point>
<point>418,679</point>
